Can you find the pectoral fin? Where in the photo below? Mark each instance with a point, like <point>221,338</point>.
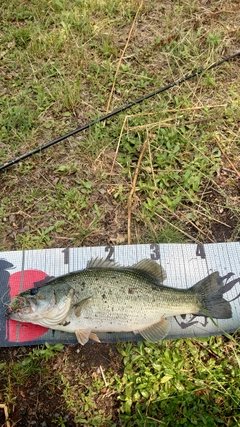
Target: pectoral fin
<point>80,305</point>
<point>156,332</point>
<point>83,335</point>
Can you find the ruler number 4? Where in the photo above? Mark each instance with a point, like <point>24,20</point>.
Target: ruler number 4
<point>200,251</point>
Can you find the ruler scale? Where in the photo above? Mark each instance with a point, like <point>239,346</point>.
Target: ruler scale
<point>185,264</point>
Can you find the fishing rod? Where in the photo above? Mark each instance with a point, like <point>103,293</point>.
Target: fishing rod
<point>115,112</point>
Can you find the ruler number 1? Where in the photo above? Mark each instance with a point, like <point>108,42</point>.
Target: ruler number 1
<point>66,255</point>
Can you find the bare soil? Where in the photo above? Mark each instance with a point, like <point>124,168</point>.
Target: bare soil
<point>38,402</point>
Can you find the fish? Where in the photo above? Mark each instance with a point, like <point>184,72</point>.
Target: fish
<point>108,297</point>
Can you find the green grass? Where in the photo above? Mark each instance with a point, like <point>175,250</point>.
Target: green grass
<point>59,65</point>
<point>179,382</point>
<point>161,387</point>
<point>16,374</point>
<point>87,412</point>
<point>59,60</point>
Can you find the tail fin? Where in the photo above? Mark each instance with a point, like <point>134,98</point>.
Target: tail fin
<point>211,298</point>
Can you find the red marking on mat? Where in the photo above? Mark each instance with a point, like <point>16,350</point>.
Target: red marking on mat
<point>18,282</point>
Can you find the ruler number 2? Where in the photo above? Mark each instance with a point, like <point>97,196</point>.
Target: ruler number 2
<point>110,250</point>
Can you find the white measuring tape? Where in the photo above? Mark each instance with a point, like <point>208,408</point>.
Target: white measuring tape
<point>185,265</point>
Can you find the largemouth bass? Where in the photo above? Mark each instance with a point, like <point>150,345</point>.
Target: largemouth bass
<point>106,297</point>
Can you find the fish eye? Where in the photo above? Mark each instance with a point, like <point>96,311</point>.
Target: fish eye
<point>33,291</point>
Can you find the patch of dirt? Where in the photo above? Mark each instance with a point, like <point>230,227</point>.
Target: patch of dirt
<point>2,417</point>
<point>39,401</point>
<point>222,200</point>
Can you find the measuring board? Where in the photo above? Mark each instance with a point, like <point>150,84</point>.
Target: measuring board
<point>185,265</point>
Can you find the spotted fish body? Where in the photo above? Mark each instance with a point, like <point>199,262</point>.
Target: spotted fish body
<point>106,297</point>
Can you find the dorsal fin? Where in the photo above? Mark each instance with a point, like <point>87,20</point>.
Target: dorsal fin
<point>151,267</point>
<point>101,263</point>
<point>147,265</point>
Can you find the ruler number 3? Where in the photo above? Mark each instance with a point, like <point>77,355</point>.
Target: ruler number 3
<point>154,252</point>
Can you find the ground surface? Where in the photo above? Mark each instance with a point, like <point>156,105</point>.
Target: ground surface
<point>35,403</point>
<point>174,177</point>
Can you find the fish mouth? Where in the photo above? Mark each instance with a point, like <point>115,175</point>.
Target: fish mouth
<point>20,305</point>
<point>14,316</point>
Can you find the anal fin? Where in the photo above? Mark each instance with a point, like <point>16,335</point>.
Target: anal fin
<point>156,332</point>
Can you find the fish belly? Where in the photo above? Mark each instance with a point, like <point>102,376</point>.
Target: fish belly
<point>127,315</point>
